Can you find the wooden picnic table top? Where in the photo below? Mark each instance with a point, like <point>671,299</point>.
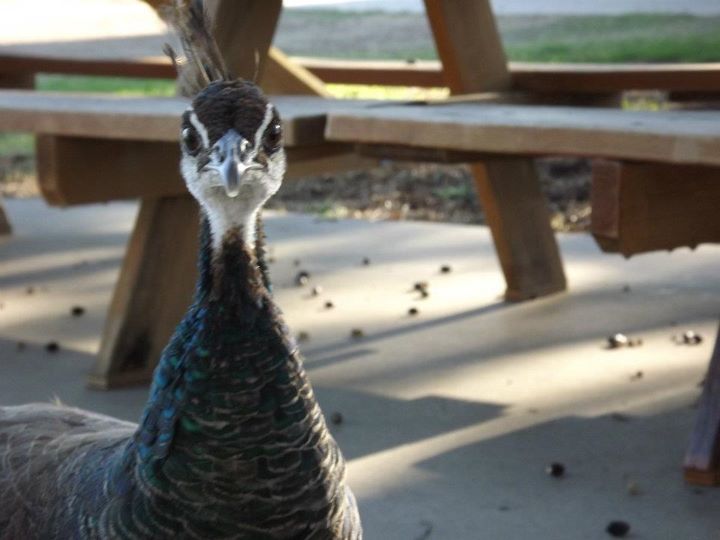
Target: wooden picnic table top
<point>146,118</point>
<point>663,136</point>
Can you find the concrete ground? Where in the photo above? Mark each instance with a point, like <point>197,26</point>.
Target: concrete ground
<point>450,417</point>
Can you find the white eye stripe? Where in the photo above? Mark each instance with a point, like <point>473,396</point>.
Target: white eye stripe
<point>265,123</point>
<point>197,124</point>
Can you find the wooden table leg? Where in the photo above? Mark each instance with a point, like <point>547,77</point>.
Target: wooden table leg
<point>519,219</point>
<point>473,60</point>
<point>19,80</point>
<point>702,460</point>
<point>153,292</point>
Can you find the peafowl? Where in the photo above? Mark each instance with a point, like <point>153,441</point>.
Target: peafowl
<point>232,443</point>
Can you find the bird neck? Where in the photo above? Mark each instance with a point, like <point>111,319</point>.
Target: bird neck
<point>230,376</point>
<point>227,219</point>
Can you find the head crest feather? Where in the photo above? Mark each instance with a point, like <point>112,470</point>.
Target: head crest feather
<point>201,62</point>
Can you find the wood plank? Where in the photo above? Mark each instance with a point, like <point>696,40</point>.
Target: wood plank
<point>542,78</point>
<point>68,168</point>
<point>155,67</point>
<point>469,46</point>
<point>284,76</point>
<point>665,136</point>
<point>642,207</point>
<point>422,73</point>
<point>702,460</point>
<point>154,289</point>
<point>143,118</point>
<point>74,170</point>
<point>610,78</point>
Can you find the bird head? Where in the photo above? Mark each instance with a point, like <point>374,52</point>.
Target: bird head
<point>232,155</point>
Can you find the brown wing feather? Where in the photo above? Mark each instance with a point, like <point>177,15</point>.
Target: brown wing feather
<point>35,440</point>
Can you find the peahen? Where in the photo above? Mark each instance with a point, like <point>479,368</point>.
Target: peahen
<point>232,443</point>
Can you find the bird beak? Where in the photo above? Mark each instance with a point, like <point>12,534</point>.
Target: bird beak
<point>231,158</point>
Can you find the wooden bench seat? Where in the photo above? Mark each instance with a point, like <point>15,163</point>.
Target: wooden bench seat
<point>486,129</point>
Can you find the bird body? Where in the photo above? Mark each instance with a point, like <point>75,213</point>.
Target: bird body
<point>232,443</point>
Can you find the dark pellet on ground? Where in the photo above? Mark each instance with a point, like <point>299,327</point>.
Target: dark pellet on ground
<point>302,278</point>
<point>336,418</point>
<point>329,305</point>
<point>303,336</point>
<point>424,294</point>
<point>296,262</point>
<point>52,347</point>
<point>617,340</point>
<point>445,269</point>
<point>30,290</point>
<point>637,376</point>
<point>626,289</point>
<point>555,470</point>
<point>21,345</point>
<point>357,333</point>
<point>619,417</point>
<point>413,311</point>
<point>366,261</point>
<point>618,529</point>
<point>421,286</point>
<point>77,311</point>
<point>691,338</point>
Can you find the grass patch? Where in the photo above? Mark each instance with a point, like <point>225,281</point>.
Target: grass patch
<point>115,85</point>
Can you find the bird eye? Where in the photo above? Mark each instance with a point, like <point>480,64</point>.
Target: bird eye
<point>191,141</point>
<point>273,136</point>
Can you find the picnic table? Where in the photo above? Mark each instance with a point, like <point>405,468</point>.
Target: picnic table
<point>499,123</point>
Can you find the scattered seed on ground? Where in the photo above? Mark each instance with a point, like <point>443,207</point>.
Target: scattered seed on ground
<point>329,305</point>
<point>21,346</point>
<point>30,290</point>
<point>366,261</point>
<point>413,311</point>
<point>633,489</point>
<point>689,337</point>
<point>302,278</point>
<point>77,311</point>
<point>317,290</point>
<point>618,529</point>
<point>52,347</point>
<point>303,336</point>
<point>357,333</point>
<point>421,286</point>
<point>555,470</point>
<point>271,260</point>
<point>626,289</point>
<point>336,418</point>
<point>445,269</point>
<point>424,294</point>
<point>296,262</point>
<point>617,340</point>
<point>637,342</point>
<point>637,376</point>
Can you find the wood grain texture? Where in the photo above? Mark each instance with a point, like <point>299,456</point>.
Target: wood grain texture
<point>284,76</point>
<point>74,170</point>
<point>153,291</point>
<point>664,136</point>
<point>702,460</point>
<point>147,119</point>
<point>473,60</point>
<point>643,207</point>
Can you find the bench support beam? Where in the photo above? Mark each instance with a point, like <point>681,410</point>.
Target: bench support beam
<point>702,460</point>
<point>153,291</point>
<point>473,60</point>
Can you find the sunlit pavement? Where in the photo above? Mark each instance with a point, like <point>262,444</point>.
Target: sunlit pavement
<point>449,416</point>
